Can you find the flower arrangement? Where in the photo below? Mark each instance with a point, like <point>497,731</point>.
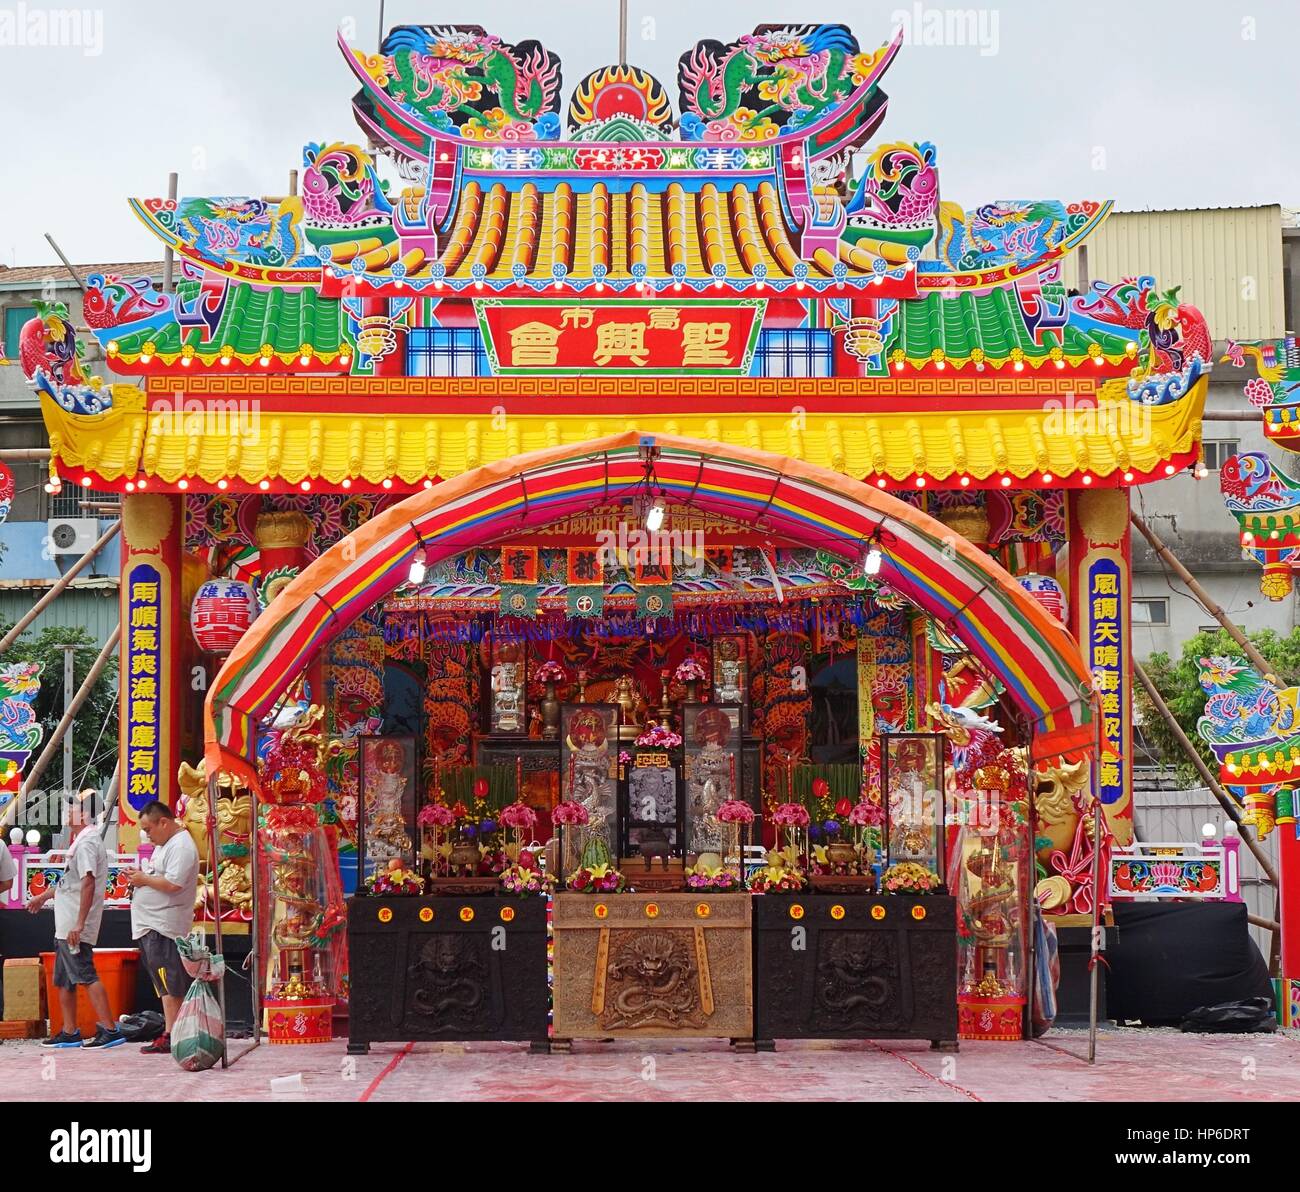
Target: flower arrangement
<point>866,814</point>
<point>657,736</point>
<point>551,672</point>
<point>570,813</point>
<point>777,879</point>
<point>690,670</point>
<point>711,880</point>
<point>519,816</point>
<point>435,815</point>
<point>791,815</point>
<point>907,877</point>
<point>596,879</point>
<point>624,758</point>
<point>524,880</point>
<point>735,811</point>
<point>395,880</point>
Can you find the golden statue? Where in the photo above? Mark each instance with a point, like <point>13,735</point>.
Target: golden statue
<point>234,827</point>
<point>628,697</point>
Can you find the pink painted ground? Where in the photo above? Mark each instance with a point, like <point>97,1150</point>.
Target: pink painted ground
<point>1133,1065</point>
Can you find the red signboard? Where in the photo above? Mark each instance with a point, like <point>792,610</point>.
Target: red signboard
<point>626,336</point>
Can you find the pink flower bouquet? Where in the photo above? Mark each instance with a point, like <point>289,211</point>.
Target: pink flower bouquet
<point>690,670</point>
<point>550,672</point>
<point>735,811</point>
<point>659,737</point>
<point>791,815</point>
<point>598,879</point>
<point>569,813</point>
<point>866,814</point>
<point>435,815</point>
<point>519,816</point>
<point>522,881</point>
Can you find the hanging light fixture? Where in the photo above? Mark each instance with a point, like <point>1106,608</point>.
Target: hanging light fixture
<point>654,515</point>
<point>871,562</point>
<point>419,564</point>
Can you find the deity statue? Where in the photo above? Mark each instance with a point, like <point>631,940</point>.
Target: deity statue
<point>386,835</point>
<point>711,781</point>
<point>728,689</point>
<point>589,771</point>
<point>506,693</point>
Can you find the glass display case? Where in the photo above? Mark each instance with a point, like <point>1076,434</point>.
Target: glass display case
<point>507,700</point>
<point>712,769</point>
<point>589,770</point>
<point>731,672</point>
<point>911,774</point>
<point>387,778</point>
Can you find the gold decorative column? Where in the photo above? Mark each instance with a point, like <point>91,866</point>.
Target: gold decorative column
<point>152,685</point>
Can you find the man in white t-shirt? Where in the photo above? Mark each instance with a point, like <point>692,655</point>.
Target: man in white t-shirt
<point>162,910</point>
<point>78,909</point>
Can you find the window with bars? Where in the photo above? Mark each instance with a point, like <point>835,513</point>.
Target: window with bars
<point>1219,451</point>
<point>794,352</point>
<point>68,502</point>
<point>446,352</point>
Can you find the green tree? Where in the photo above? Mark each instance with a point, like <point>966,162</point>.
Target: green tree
<point>99,712</point>
<point>1179,684</point>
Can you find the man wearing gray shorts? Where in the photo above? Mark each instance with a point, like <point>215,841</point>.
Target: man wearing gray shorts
<point>78,909</point>
<point>162,910</point>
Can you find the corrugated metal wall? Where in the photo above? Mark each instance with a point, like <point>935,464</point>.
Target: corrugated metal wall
<point>96,609</point>
<point>1228,261</point>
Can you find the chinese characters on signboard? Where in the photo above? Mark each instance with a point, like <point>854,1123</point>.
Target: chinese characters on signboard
<point>561,336</point>
<point>1107,661</point>
<point>143,668</point>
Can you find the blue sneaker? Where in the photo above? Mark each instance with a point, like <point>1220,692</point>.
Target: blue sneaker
<point>63,1039</point>
<point>105,1038</point>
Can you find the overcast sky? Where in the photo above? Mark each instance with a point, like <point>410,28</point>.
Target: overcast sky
<point>1188,104</point>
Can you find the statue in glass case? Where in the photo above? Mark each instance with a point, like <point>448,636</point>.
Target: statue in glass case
<point>712,733</point>
<point>590,778</point>
<point>386,798</point>
<point>727,682</point>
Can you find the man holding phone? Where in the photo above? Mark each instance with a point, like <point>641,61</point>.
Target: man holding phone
<point>162,910</point>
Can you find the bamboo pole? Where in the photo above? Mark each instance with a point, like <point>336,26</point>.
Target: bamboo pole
<point>1202,769</point>
<point>25,455</point>
<point>59,586</point>
<point>38,767</point>
<point>1168,556</point>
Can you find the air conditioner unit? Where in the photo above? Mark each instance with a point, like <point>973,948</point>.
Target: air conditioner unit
<point>70,535</point>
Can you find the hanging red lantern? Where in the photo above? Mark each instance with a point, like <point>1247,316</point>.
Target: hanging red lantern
<point>821,788</point>
<point>842,808</point>
<point>222,610</point>
<point>480,788</point>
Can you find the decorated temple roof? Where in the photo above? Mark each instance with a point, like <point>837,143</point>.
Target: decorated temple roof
<point>628,259</point>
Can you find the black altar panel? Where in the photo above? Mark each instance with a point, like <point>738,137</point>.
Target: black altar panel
<point>851,975</point>
<point>1170,957</point>
<point>446,968</point>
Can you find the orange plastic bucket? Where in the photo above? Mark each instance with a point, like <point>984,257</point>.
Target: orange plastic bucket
<point>116,968</point>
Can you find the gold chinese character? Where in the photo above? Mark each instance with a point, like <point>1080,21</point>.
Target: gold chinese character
<point>142,709</point>
<point>142,759</point>
<point>144,784</point>
<point>577,316</point>
<point>534,345</point>
<point>146,616</point>
<point>1110,701</point>
<point>1105,656</point>
<point>143,736</point>
<point>144,639</point>
<point>1105,585</point>
<point>144,664</point>
<point>665,318</point>
<point>1105,631</point>
<point>143,687</point>
<point>705,344</point>
<point>145,593</point>
<point>1105,608</point>
<point>1109,774</point>
<point>620,339</point>
<point>1110,680</point>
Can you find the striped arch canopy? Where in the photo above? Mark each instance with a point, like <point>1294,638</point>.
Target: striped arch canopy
<point>954,582</point>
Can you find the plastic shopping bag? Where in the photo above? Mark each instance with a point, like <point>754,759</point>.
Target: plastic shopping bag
<point>198,1037</point>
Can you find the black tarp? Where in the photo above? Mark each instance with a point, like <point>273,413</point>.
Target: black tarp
<point>1167,958</point>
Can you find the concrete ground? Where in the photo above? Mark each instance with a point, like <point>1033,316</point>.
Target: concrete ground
<point>1133,1065</point>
